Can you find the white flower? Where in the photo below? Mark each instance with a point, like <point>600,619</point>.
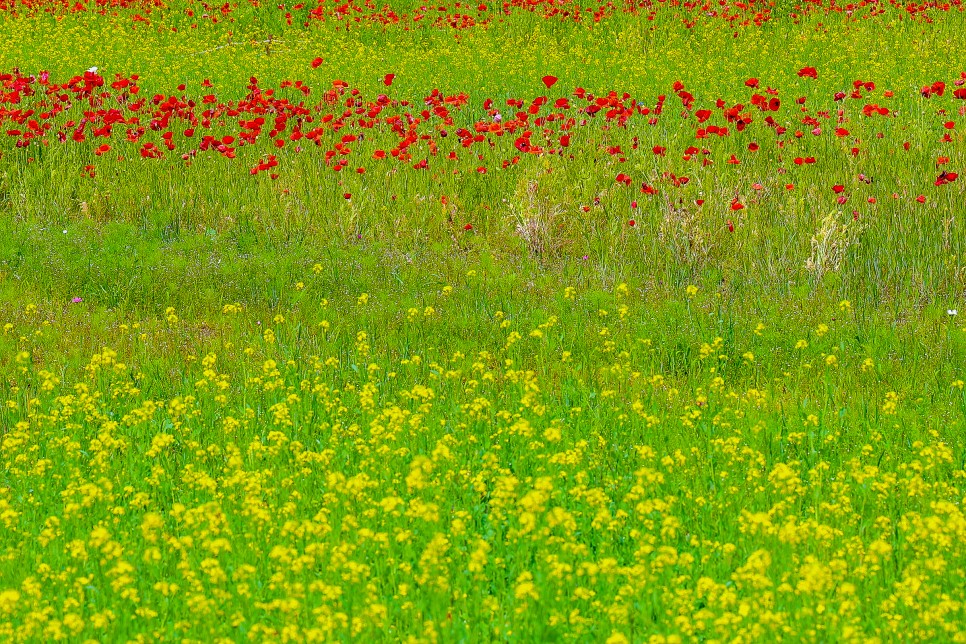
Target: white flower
<point>93,70</point>
<point>951,311</point>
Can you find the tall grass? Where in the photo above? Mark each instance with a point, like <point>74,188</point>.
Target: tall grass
<point>485,406</point>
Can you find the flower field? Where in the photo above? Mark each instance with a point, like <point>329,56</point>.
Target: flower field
<point>537,320</point>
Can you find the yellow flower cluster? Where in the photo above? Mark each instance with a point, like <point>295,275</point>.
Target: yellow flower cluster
<point>478,492</point>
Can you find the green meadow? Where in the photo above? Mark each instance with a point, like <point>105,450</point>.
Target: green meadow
<point>628,330</point>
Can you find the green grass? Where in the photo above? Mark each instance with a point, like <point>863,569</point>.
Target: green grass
<point>280,415</point>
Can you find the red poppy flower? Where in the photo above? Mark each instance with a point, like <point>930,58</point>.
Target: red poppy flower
<point>316,63</point>
<point>549,81</point>
<point>387,79</point>
<point>946,177</point>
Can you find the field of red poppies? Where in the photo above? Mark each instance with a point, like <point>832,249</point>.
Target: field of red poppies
<point>711,137</point>
<point>534,320</point>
